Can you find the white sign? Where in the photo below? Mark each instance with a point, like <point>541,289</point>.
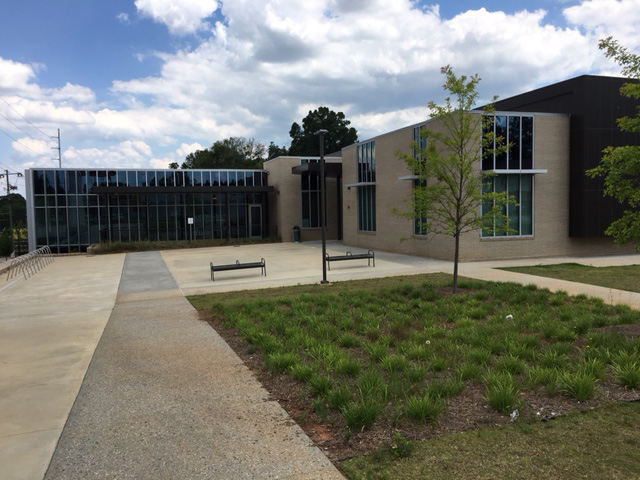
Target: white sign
<point>190,220</point>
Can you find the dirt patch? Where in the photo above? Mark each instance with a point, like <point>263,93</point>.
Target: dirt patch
<point>468,411</point>
<point>630,331</point>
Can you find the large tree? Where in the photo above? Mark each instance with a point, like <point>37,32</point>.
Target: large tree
<point>620,166</point>
<point>233,152</point>
<point>276,151</point>
<point>304,140</point>
<point>449,191</point>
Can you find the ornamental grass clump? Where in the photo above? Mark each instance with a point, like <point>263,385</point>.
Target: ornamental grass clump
<point>579,385</point>
<point>361,415</point>
<point>427,408</point>
<point>627,374</point>
<point>501,392</point>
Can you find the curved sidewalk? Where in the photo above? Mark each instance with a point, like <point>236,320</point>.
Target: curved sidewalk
<point>166,397</point>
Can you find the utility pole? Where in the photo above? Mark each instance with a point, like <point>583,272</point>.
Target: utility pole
<point>58,148</point>
<point>9,188</point>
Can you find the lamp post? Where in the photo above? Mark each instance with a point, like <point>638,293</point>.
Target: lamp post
<point>323,205</point>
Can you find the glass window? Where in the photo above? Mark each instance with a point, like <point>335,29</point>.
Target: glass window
<point>71,182</point>
<point>151,179</point>
<point>61,184</point>
<point>81,180</point>
<point>527,142</point>
<point>215,179</point>
<point>516,134</point>
<point>224,179</point>
<point>197,179</point>
<point>179,178</point>
<point>188,175</point>
<point>112,178</point>
<point>514,143</point>
<point>520,215</point>
<point>257,179</point>
<point>50,181</point>
<point>367,208</point>
<point>501,136</point>
<point>38,182</point>
<point>420,219</point>
<point>132,180</point>
<point>142,179</point>
<point>102,178</point>
<point>231,178</point>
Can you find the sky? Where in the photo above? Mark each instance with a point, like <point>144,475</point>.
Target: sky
<point>143,83</point>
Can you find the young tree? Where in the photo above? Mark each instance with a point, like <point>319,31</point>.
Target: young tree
<point>449,190</point>
<point>620,166</point>
<point>304,140</point>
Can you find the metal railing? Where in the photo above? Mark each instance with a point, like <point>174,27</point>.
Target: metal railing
<point>30,263</point>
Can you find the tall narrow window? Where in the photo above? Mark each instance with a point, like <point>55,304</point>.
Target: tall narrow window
<point>310,189</point>
<point>420,217</point>
<point>366,154</point>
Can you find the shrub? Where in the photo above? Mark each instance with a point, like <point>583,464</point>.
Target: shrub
<point>400,446</point>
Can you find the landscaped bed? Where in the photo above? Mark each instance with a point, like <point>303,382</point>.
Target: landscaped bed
<point>363,365</point>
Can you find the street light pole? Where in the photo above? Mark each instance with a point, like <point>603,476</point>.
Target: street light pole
<point>323,207</point>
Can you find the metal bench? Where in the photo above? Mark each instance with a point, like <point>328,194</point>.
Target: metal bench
<point>238,266</point>
<point>369,256</point>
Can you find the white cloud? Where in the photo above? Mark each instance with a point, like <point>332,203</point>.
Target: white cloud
<point>29,147</point>
<point>271,61</point>
<point>602,18</point>
<point>123,18</point>
<point>180,16</point>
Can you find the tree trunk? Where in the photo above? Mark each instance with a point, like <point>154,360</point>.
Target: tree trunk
<point>455,262</point>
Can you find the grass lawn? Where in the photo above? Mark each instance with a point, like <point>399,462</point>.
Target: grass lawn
<point>373,362</point>
<point>622,278</point>
<point>598,444</point>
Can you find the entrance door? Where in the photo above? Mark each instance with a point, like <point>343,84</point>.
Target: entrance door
<point>255,221</point>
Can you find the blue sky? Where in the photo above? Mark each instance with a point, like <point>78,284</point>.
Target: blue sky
<point>140,83</point>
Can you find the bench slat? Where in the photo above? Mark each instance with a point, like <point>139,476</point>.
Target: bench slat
<point>238,266</point>
<point>370,255</point>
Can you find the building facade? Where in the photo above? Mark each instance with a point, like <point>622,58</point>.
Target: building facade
<point>554,134</point>
<point>70,209</point>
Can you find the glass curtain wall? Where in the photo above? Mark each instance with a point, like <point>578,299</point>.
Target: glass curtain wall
<point>69,216</point>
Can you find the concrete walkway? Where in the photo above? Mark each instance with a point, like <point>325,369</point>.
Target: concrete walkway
<point>49,327</point>
<point>165,397</point>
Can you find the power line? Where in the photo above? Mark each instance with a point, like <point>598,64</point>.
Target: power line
<point>1,98</point>
<point>23,131</point>
<point>18,142</point>
<point>7,166</point>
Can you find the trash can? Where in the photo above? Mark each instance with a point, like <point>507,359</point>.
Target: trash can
<point>295,234</point>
